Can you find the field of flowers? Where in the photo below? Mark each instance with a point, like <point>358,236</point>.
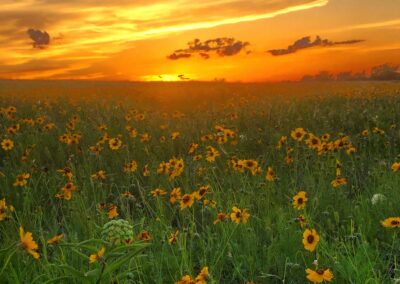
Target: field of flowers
<point>199,182</point>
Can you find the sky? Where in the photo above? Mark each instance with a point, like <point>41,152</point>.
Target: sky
<point>234,40</point>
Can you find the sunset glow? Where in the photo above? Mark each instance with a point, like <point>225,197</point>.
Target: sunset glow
<point>148,40</point>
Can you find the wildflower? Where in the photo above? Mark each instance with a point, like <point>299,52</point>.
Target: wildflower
<point>187,201</point>
<point>67,172</point>
<point>158,192</point>
<point>5,209</point>
<point>298,134</point>
<point>199,194</point>
<point>270,176</point>
<point>391,222</point>
<point>97,256</point>
<point>112,211</point>
<point>115,143</point>
<point>54,240</point>
<point>378,131</point>
<point>201,278</point>
<point>313,141</point>
<point>320,275</point>
<point>220,217</point>
<point>239,215</point>
<point>300,200</point>
<point>144,137</point>
<point>28,244</point>
<point>192,148</point>
<point>310,239</point>
<point>212,153</point>
<point>301,220</point>
<point>144,236</point>
<point>325,137</point>
<point>22,179</point>
<point>99,175</point>
<point>127,194</point>
<point>66,191</point>
<point>365,132</point>
<point>146,171</point>
<point>186,279</point>
<point>396,166</point>
<point>130,167</point>
<point>173,238</point>
<point>175,195</point>
<point>7,144</point>
<point>281,142</point>
<point>338,181</point>
<point>175,135</point>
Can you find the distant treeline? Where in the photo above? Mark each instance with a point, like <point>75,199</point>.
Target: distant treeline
<point>382,72</point>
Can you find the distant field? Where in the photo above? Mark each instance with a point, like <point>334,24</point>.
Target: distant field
<point>105,182</point>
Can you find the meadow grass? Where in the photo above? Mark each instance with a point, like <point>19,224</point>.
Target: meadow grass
<point>268,248</point>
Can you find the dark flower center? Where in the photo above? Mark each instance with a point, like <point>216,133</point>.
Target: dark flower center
<point>310,239</point>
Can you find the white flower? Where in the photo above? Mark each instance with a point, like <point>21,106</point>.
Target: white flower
<point>378,197</point>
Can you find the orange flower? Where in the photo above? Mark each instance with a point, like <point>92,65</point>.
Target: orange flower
<point>239,215</point>
<point>55,239</point>
<point>28,244</point>
<point>187,201</point>
<point>97,256</point>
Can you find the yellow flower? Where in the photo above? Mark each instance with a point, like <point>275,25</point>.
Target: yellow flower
<point>146,171</point>
<point>187,201</point>
<point>112,211</point>
<point>310,239</point>
<point>396,166</point>
<point>338,181</point>
<point>67,172</point>
<point>199,194</point>
<point>175,195</point>
<point>158,192</point>
<point>99,175</point>
<point>220,217</point>
<point>22,179</point>
<point>186,280</point>
<point>391,222</point>
<point>130,167</point>
<point>55,239</point>
<point>298,134</point>
<point>114,143</point>
<point>365,132</point>
<point>270,176</point>
<point>239,215</point>
<point>7,144</point>
<point>212,153</point>
<point>300,200</point>
<point>320,275</point>
<point>201,278</point>
<point>28,244</point>
<point>4,209</point>
<point>173,238</point>
<point>192,148</point>
<point>144,236</point>
<point>175,135</point>
<point>97,256</point>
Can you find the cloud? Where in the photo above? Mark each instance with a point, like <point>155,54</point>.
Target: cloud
<point>41,39</point>
<point>223,46</point>
<point>98,29</point>
<point>306,42</point>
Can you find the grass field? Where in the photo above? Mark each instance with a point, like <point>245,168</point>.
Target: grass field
<point>199,182</point>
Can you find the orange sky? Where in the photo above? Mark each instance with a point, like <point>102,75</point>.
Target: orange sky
<point>118,40</point>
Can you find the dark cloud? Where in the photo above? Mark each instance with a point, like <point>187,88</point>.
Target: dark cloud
<point>224,46</point>
<point>41,39</point>
<point>306,42</point>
